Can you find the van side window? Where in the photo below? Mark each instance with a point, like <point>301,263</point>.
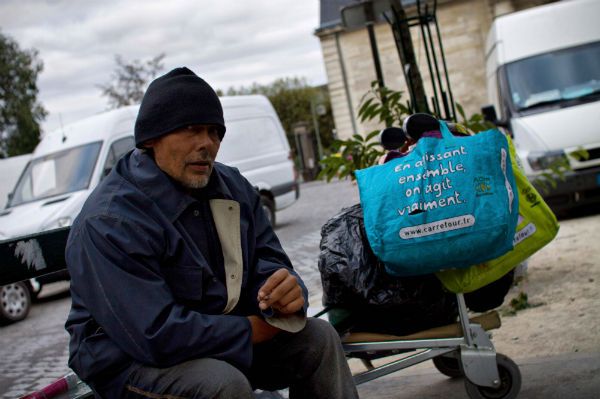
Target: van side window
<point>116,151</point>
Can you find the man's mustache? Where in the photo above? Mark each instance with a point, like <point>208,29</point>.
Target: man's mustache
<point>202,156</point>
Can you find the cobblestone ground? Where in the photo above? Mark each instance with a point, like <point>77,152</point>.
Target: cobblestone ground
<point>33,352</point>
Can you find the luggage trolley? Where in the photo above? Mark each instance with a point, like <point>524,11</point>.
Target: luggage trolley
<point>461,349</point>
<point>471,354</point>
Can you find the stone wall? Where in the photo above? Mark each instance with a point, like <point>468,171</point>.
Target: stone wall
<point>463,26</point>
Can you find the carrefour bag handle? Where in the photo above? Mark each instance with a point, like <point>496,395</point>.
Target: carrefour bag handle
<point>446,134</point>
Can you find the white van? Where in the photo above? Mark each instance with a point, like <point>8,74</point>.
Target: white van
<point>68,164</point>
<point>256,144</point>
<point>543,76</point>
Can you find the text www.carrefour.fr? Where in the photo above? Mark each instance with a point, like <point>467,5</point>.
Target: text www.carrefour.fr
<point>440,226</point>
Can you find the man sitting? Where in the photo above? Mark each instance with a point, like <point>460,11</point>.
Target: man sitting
<point>180,287</point>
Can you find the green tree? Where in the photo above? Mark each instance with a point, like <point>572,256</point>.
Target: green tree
<point>20,111</point>
<point>129,79</point>
<point>295,101</point>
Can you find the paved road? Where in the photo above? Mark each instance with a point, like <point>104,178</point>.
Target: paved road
<point>34,352</point>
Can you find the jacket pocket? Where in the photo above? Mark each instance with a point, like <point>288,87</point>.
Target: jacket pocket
<point>97,356</point>
<point>185,281</point>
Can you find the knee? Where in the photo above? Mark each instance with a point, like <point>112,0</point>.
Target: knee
<point>236,386</point>
<point>321,334</point>
<point>321,329</point>
<point>229,382</point>
<point>216,379</point>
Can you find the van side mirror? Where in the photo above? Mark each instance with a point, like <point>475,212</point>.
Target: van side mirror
<point>489,114</point>
<point>9,198</point>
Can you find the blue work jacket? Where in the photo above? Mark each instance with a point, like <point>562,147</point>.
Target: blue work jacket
<point>147,279</point>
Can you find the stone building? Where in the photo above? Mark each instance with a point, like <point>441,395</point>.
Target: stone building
<point>347,54</point>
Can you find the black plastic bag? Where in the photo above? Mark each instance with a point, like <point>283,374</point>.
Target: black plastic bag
<point>353,278</point>
<point>490,296</point>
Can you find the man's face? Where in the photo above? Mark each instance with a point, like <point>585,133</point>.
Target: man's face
<point>187,154</point>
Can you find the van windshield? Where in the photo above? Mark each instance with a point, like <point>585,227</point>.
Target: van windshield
<point>555,79</point>
<point>55,174</point>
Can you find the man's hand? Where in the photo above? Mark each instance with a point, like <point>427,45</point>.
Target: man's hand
<point>261,330</point>
<point>282,292</point>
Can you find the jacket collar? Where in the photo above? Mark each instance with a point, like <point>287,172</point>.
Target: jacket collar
<point>170,196</point>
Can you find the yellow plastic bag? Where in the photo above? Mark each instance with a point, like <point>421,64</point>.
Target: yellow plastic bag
<point>537,226</point>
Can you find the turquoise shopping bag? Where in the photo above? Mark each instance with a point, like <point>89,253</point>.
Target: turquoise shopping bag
<point>449,203</point>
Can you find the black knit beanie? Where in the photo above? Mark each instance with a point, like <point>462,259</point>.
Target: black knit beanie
<point>175,100</point>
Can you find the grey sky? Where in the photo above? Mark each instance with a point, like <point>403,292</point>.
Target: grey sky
<point>227,42</point>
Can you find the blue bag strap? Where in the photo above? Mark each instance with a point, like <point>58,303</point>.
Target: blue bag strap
<point>446,134</point>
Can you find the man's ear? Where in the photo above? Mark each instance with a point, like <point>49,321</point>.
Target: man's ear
<point>149,144</point>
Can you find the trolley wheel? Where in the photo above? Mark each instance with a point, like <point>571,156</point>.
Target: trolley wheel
<point>510,382</point>
<point>448,366</point>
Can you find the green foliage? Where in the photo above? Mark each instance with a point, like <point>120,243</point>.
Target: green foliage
<point>383,105</point>
<point>294,100</point>
<point>20,111</point>
<point>129,80</point>
<point>349,156</point>
<point>518,303</point>
<point>475,123</point>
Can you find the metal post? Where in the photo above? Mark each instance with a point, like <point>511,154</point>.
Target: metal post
<point>373,41</point>
<point>300,156</point>
<point>402,52</point>
<point>437,29</point>
<point>423,34</point>
<point>437,77</point>
<point>463,314</point>
<point>345,80</point>
<point>375,52</point>
<point>313,111</point>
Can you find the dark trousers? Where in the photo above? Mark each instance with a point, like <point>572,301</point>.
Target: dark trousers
<point>311,363</point>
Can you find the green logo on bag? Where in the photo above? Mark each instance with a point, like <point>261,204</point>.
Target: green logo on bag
<point>483,185</point>
<point>531,196</point>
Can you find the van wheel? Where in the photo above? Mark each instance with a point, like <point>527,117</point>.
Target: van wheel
<point>269,208</point>
<point>15,302</point>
